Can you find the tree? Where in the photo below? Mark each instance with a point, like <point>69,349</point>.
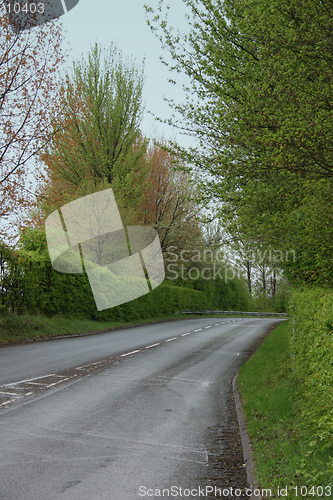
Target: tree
<point>28,64</point>
<point>100,142</point>
<point>261,74</point>
<point>169,202</point>
<point>260,102</point>
<point>291,216</point>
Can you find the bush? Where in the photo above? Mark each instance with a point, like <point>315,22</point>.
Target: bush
<point>31,285</point>
<point>311,338</point>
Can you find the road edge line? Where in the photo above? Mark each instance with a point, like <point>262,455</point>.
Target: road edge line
<point>245,440</point>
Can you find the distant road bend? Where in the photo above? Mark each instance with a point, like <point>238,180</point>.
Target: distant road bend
<point>125,414</point>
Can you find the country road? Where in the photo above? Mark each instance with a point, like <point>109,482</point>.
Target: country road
<point>122,415</point>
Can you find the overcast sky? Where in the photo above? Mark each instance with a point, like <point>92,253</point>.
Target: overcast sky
<point>124,23</point>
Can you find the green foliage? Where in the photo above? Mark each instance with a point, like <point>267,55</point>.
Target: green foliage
<point>31,285</point>
<point>260,100</point>
<point>282,297</point>
<point>286,451</point>
<point>162,300</point>
<point>312,362</point>
<point>293,216</point>
<point>99,141</point>
<point>202,271</point>
<point>21,327</point>
<point>261,77</point>
<point>113,87</point>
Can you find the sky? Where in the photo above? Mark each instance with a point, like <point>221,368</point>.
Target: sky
<point>124,23</point>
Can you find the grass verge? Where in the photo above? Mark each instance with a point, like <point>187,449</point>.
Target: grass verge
<point>282,448</point>
<point>15,328</point>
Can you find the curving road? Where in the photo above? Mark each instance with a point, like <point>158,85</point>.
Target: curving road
<point>145,420</point>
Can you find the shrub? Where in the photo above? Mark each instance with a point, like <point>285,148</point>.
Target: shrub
<point>311,339</point>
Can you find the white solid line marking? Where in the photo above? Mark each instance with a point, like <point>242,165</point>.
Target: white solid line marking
<point>153,345</point>
<point>198,330</point>
<point>184,334</point>
<point>29,379</point>
<point>90,364</point>
<point>128,353</point>
<point>35,383</point>
<point>173,338</point>
<point>208,327</point>
<point>59,382</point>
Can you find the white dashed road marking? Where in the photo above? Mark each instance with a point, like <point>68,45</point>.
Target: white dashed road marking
<point>43,382</point>
<point>153,345</point>
<point>132,352</point>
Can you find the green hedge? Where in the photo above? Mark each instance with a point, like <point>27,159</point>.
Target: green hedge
<point>311,345</point>
<point>41,290</point>
<point>162,300</point>
<point>30,285</point>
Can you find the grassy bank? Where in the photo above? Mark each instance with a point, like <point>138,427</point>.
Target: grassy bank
<point>284,452</point>
<point>15,328</point>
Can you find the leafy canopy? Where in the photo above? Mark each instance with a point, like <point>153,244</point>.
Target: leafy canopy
<point>260,102</point>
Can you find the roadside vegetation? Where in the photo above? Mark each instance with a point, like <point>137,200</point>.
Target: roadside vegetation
<point>97,143</point>
<point>245,217</point>
<point>18,328</point>
<point>286,390</point>
<point>15,328</point>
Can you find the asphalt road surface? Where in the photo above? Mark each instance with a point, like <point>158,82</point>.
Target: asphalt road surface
<point>125,414</point>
